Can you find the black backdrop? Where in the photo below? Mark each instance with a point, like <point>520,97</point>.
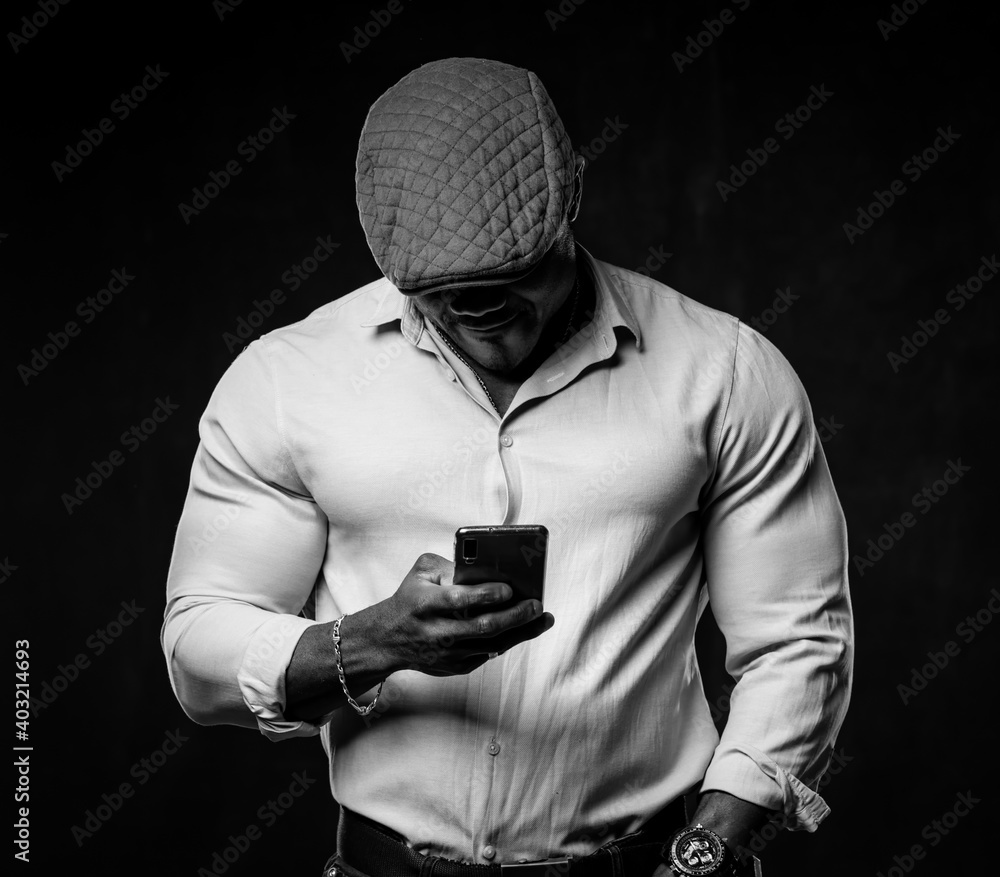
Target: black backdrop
<point>663,131</point>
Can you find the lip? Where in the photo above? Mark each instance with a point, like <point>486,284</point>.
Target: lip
<point>490,326</point>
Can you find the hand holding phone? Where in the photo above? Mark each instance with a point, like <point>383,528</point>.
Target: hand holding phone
<point>431,626</point>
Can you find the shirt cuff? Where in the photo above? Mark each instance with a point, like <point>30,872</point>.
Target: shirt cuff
<point>749,774</point>
<point>261,677</point>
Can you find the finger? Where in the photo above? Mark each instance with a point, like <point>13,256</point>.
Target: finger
<point>509,640</point>
<point>493,624</point>
<point>461,599</point>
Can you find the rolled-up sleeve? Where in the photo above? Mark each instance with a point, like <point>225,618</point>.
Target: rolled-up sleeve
<point>248,550</point>
<point>775,546</point>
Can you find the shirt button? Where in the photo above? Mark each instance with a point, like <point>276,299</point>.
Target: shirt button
<point>449,374</point>
<point>493,748</point>
<point>489,851</point>
<point>506,440</point>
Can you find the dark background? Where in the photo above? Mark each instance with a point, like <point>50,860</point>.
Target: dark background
<point>890,433</point>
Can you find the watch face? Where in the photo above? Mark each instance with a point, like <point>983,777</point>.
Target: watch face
<point>696,851</point>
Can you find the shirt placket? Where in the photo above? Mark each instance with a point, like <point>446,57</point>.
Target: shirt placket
<point>494,736</point>
<point>488,764</point>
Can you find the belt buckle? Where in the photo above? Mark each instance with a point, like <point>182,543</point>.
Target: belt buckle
<point>539,868</point>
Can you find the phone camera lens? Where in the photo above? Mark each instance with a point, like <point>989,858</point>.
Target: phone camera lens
<point>470,550</point>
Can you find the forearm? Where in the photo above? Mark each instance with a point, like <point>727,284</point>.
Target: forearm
<point>730,817</point>
<point>312,686</point>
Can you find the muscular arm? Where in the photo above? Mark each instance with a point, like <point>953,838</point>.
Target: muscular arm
<point>247,554</point>
<point>776,570</point>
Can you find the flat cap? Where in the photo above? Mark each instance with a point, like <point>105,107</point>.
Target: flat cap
<point>464,175</point>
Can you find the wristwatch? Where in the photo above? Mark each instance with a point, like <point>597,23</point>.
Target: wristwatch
<point>696,851</point>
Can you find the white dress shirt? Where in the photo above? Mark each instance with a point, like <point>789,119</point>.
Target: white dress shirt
<point>671,452</point>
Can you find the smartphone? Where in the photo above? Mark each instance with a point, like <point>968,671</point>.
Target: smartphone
<point>514,554</point>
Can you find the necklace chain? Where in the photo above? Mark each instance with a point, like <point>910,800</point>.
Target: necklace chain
<point>482,383</point>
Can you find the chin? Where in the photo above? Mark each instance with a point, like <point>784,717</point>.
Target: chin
<point>500,357</point>
<point>500,360</point>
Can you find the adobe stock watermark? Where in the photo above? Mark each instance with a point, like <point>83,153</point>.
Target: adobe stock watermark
<point>783,300</point>
<point>293,278</point>
<point>787,125</point>
<point>278,634</point>
<point>7,569</point>
<point>214,529</point>
<point>923,502</point>
<point>913,168</point>
<point>609,134</point>
<point>375,365</point>
<point>95,818</point>
<point>267,815</point>
<point>933,832</point>
<point>696,44</point>
<point>435,478</point>
<point>131,439</point>
<point>249,148</point>
<point>558,14</point>
<point>657,258</point>
<point>391,693</point>
<point>901,13</point>
<point>967,629</point>
<point>225,7</point>
<point>87,310</point>
<point>47,10</point>
<point>378,20</point>
<point>122,106</point>
<point>958,296</point>
<point>97,644</point>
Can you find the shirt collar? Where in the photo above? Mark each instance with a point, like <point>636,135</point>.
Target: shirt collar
<point>612,306</point>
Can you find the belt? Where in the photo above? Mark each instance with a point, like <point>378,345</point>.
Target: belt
<point>379,851</point>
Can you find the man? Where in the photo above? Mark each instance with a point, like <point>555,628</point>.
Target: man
<point>500,374</point>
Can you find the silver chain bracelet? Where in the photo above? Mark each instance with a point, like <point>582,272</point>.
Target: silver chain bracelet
<point>360,710</point>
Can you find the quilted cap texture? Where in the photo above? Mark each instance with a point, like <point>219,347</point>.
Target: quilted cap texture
<point>464,175</point>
